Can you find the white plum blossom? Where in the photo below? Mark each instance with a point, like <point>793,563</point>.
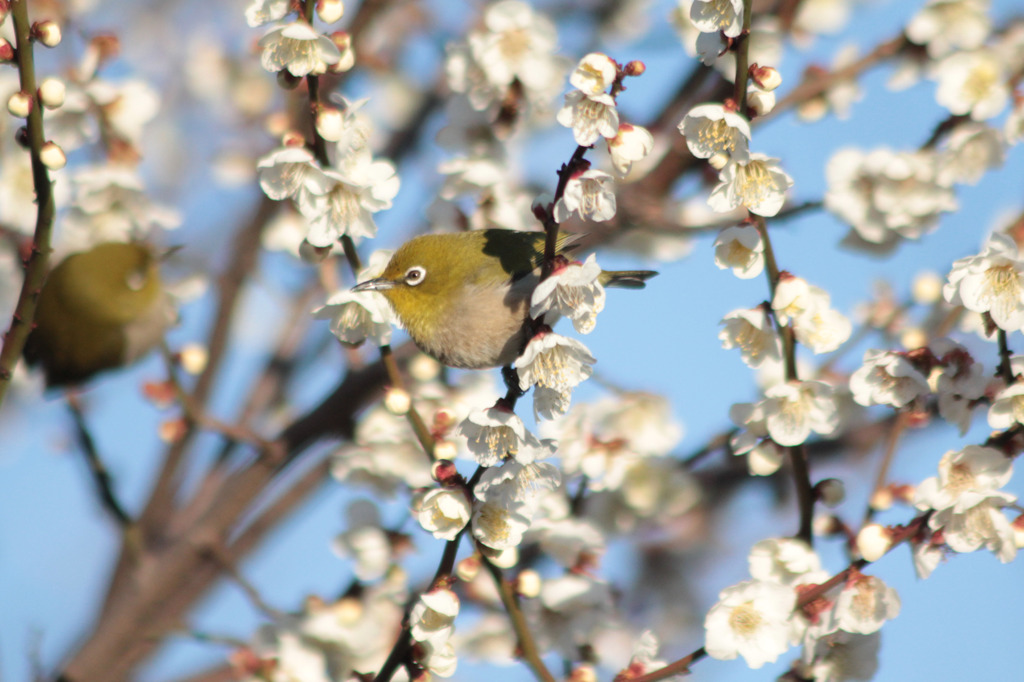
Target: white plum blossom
<point>513,482</point>
<point>971,150</point>
<point>594,74</point>
<point>752,332</point>
<point>714,130</point>
<point>885,195</point>
<point>589,117</point>
<point>569,540</point>
<point>959,382</point>
<point>433,617</point>
<point>992,282</point>
<point>554,361</point>
<point>757,183</point>
<point>439,658</point>
<point>973,83</point>
<point>752,619</point>
<point>1007,409</point>
<point>718,16</point>
<point>983,525</point>
<point>573,290</point>
<point>792,410</point>
<point>888,378</point>
<point>740,248</point>
<point>928,554</point>
<point>947,25</point>
<point>298,48</point>
<point>364,541</point>
<point>841,657</point>
<point>575,607</point>
<point>632,143</point>
<point>443,512</point>
<point>591,194</point>
<point>966,478</point>
<point>496,433</point>
<point>864,604</point>
<point>360,315</point>
<point>816,325</point>
<point>786,561</point>
<point>501,524</point>
<point>261,12</point>
<point>346,202</point>
<point>290,172</point>
<point>764,456</point>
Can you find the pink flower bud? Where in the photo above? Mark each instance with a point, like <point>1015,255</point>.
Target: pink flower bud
<point>47,32</point>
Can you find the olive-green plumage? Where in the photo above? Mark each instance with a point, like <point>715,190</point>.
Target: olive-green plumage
<point>99,309</point>
<point>464,298</point>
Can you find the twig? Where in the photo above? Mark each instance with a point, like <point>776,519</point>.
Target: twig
<point>36,263</point>
<point>100,475</point>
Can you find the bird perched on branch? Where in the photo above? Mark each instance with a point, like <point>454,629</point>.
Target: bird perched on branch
<point>99,309</point>
<point>465,297</point>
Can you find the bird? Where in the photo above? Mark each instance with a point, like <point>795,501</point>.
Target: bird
<point>464,297</point>
<point>98,310</point>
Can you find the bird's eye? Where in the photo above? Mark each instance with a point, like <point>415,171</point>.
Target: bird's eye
<point>415,275</point>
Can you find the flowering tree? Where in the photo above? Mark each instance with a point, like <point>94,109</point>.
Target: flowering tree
<point>546,522</point>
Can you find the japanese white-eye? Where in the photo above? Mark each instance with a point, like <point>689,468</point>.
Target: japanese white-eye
<point>98,310</point>
<point>464,297</point>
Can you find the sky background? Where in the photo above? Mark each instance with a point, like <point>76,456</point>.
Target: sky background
<point>56,545</point>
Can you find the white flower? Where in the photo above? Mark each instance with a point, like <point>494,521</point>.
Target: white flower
<point>631,144</point>
<point>589,117</point>
<point>740,248</point>
<point>290,171</point>
<point>297,48</point>
<point>433,617</point>
<point>841,657</point>
<point>575,608</point>
<point>786,561</point>
<point>443,512</point>
<point>792,410</point>
<point>439,659</point>
<point>1007,409</point>
<point>513,482</point>
<point>983,525</point>
<point>516,45</point>
<point>591,194</point>
<point>357,316</point>
<point>864,604</point>
<point>594,74</point>
<point>887,378</point>
<point>966,478</point>
<point>496,433</point>
<point>554,361</point>
<point>569,541</point>
<point>500,524</point>
<point>572,291</point>
<point>927,557</point>
<point>959,382</point>
<point>718,16</point>
<point>261,12</point>
<point>973,83</point>
<point>806,307</point>
<point>751,619</point>
<point>345,204</point>
<point>947,25</point>
<point>757,183</point>
<point>711,129</point>
<point>991,282</point>
<point>971,150</point>
<point>751,330</point>
<point>886,195</point>
<point>364,541</point>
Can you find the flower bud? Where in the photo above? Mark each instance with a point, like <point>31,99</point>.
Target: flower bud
<point>927,288</point>
<point>766,77</point>
<point>330,11</point>
<point>348,56</point>
<point>397,401</point>
<point>528,583</point>
<point>20,104</point>
<point>172,430</point>
<point>6,51</point>
<point>287,81</point>
<point>47,32</point>
<point>873,541</point>
<point>52,156</point>
<point>193,358</point>
<point>313,255</point>
<point>21,137</point>
<point>424,368</point>
<point>445,449</point>
<point>583,673</point>
<point>444,471</point>
<point>760,102</point>
<point>468,568</point>
<point>881,499</point>
<point>634,68</point>
<point>51,93</point>
<point>330,123</point>
<point>831,492</point>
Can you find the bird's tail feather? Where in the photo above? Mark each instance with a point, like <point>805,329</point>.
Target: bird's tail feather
<point>626,279</point>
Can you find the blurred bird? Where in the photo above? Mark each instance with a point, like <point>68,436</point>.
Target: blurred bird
<point>465,297</point>
<point>99,309</point>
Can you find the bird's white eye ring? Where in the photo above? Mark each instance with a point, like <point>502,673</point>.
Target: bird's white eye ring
<point>415,275</point>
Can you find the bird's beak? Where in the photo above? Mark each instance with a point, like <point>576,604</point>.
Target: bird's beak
<point>375,284</point>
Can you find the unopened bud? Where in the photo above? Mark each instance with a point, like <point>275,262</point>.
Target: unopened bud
<point>913,338</point>
<point>52,92</point>
<point>424,368</point>
<point>831,492</point>
<point>444,471</point>
<point>528,583</point>
<point>6,50</point>
<point>873,541</point>
<point>445,449</point>
<point>813,109</point>
<point>193,358</point>
<point>1018,531</point>
<point>766,77</point>
<point>20,104</point>
<point>330,11</point>
<point>718,160</point>
<point>172,430</point>
<point>287,81</point>
<point>634,68</point>
<point>468,568</point>
<point>927,288</point>
<point>21,137</point>
<point>52,156</point>
<point>881,499</point>
<point>583,673</point>
<point>47,32</point>
<point>397,401</point>
<point>825,525</point>
<point>502,558</point>
<point>348,56</point>
<point>760,102</point>
<point>330,123</point>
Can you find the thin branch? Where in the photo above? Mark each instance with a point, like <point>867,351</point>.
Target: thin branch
<point>98,470</point>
